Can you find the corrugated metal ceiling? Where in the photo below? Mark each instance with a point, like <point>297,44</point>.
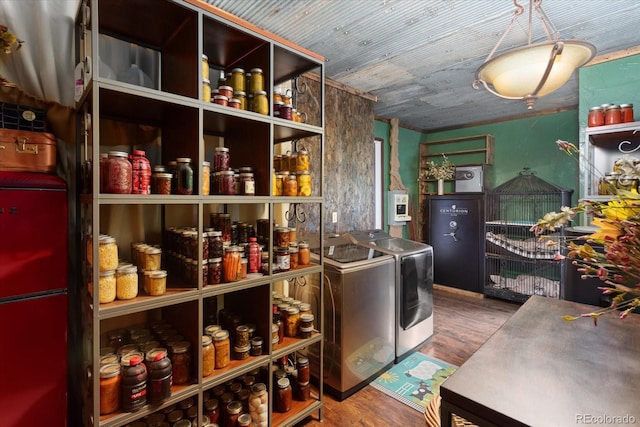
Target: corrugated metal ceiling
<point>419,57</point>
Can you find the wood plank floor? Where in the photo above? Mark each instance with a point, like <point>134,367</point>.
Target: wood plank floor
<point>462,323</point>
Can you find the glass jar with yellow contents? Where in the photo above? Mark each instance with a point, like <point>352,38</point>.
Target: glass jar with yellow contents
<point>304,183</point>
<point>290,186</point>
<point>302,160</point>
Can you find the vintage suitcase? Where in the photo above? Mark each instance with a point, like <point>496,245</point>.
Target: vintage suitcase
<point>26,151</point>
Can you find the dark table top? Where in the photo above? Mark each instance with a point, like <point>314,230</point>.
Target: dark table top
<point>540,370</point>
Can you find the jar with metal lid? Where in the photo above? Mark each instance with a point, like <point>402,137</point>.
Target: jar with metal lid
<point>215,271</point>
<point>118,179</point>
<point>285,111</point>
<point>244,420</point>
<point>215,244</point>
<point>247,184</point>
<point>302,160</point>
<point>225,227</point>
<point>234,103</point>
<point>231,264</point>
<point>206,90</point>
<point>242,97</point>
<point>157,282</point>
<point>612,115</point>
<point>222,348</point>
<point>221,100</point>
<point>256,82</point>
<point>208,356</point>
<point>181,362</point>
<point>159,376</point>
<point>284,395</point>
<point>282,237</point>
<point>109,388</point>
<point>259,404</point>
<point>260,102</point>
<point>277,95</point>
<point>227,183</point>
<point>163,183</point>
<point>155,419</point>
<point>127,282</point>
<point>221,159</point>
<point>626,113</point>
<point>304,183</point>
<point>306,325</point>
<point>226,91</point>
<point>291,322</point>
<point>183,423</point>
<point>305,308</point>
<point>206,178</point>
<point>274,336</point>
<point>107,287</point>
<point>241,353</point>
<point>110,358</point>
<point>133,390</point>
<point>278,182</point>
<point>256,346</point>
<point>212,410</point>
<point>175,416</point>
<point>290,186</point>
<point>303,391</point>
<point>304,373</point>
<point>242,335</point>
<point>304,254</point>
<point>172,167</point>
<point>293,255</point>
<point>282,259</point>
<point>276,107</point>
<point>152,258</point>
<point>232,413</point>
<point>184,176</point>
<point>237,79</point>
<point>107,253</point>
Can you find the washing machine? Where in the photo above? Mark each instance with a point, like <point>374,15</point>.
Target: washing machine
<point>413,282</point>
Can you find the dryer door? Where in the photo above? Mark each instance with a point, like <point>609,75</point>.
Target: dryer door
<point>416,288</point>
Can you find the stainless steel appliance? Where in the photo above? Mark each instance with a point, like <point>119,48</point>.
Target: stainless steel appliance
<point>470,179</point>
<point>413,282</point>
<point>358,319</point>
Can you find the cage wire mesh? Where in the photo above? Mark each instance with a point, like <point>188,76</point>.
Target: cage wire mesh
<point>518,263</point>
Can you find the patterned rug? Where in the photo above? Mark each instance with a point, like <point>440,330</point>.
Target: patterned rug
<point>415,380</point>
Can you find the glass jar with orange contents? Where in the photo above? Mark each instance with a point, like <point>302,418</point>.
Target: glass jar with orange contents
<point>290,186</point>
<point>304,254</point>
<point>109,388</point>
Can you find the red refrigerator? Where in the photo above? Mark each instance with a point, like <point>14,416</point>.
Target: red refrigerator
<point>33,299</point>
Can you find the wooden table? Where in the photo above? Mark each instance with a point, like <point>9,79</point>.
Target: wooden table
<point>539,370</point>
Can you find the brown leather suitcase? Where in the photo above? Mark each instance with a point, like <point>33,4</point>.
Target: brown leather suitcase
<point>27,151</point>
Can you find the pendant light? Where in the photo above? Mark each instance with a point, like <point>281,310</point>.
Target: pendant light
<point>533,70</point>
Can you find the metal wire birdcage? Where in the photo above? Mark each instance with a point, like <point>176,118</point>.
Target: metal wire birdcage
<point>519,264</point>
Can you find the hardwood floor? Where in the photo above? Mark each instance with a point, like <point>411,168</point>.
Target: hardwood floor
<point>462,323</point>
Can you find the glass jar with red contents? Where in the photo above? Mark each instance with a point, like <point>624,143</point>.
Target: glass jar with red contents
<point>626,113</point>
<point>284,395</point>
<point>596,116</point>
<point>227,183</point>
<point>118,176</point>
<point>221,159</point>
<point>612,115</point>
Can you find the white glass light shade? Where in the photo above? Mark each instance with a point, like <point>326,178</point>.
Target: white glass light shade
<point>518,72</point>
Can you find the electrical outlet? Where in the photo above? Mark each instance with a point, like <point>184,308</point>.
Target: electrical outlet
<point>334,217</point>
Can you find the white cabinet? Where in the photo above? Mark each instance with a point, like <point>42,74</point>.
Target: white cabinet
<point>162,114</point>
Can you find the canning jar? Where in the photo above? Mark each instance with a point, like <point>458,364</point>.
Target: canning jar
<point>248,184</point>
<point>293,255</point>
<point>259,404</point>
<point>232,413</point>
<point>206,178</point>
<point>109,388</point>
<point>127,282</point>
<point>282,259</point>
<point>205,66</point>
<point>612,115</point>
<point>225,226</point>
<point>227,183</point>
<point>285,111</point>
<point>241,353</point>
<point>256,82</point>
<point>304,254</point>
<point>260,102</point>
<point>306,325</point>
<point>107,253</point>
<point>284,395</point>
<point>181,362</point>
<point>282,237</point>
<point>278,184</point>
<point>119,171</point>
<point>107,287</point>
<point>222,348</point>
<point>276,107</point>
<point>152,258</point>
<point>237,79</point>
<point>208,356</point>
<point>157,282</point>
<point>244,420</point>
<point>215,244</point>
<point>215,271</point>
<point>626,113</point>
<point>159,375</point>
<point>212,410</point>
<point>206,90</point>
<point>290,186</point>
<point>302,160</point>
<point>304,373</point>
<point>221,159</point>
<point>184,176</point>
<point>242,97</point>
<point>304,183</point>
<point>242,336</point>
<point>291,322</point>
<point>304,391</point>
<point>226,91</point>
<point>256,346</point>
<point>231,264</point>
<point>134,382</point>
<point>234,103</point>
<point>163,183</point>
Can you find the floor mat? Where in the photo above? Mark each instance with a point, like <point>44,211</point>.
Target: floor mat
<point>415,380</point>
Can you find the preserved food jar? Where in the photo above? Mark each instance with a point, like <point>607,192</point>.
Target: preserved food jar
<point>258,404</point>
<point>256,346</point>
<point>283,259</point>
<point>212,410</point>
<point>206,178</point>
<point>225,226</point>
<point>291,322</point>
<point>256,82</point>
<point>284,395</point>
<point>231,264</point>
<point>127,282</point>
<point>140,173</point>
<point>595,117</point>
<point>248,184</point>
<point>242,335</point>
<point>241,353</point>
<point>293,236</point>
<point>107,253</point>
<point>110,358</point>
<point>277,95</point>
<point>244,420</point>
<point>304,254</point>
<point>226,91</point>
<point>119,171</point>
<point>293,256</point>
<point>304,183</point>
<point>163,183</point>
<point>222,348</point>
<point>227,183</point>
<point>290,186</point>
<point>234,103</point>
<point>134,382</point>
<point>175,416</point>
<point>242,97</point>
<point>109,388</point>
<point>232,413</point>
<point>282,237</point>
<point>302,160</point>
<point>107,287</point>
<point>221,159</point>
<point>205,66</point>
<point>157,282</point>
<point>306,325</point>
<point>304,374</point>
<point>160,375</point>
<point>208,356</point>
<point>612,115</point>
<point>254,255</point>
<point>276,107</point>
<point>181,362</point>
<point>285,111</point>
<point>626,113</point>
<point>215,271</point>
<point>206,90</point>
<point>184,176</point>
<point>152,258</point>
<point>260,102</point>
<point>278,184</point>
<point>215,244</point>
<point>304,391</point>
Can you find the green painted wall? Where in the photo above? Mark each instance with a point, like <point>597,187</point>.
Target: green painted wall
<point>528,142</point>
